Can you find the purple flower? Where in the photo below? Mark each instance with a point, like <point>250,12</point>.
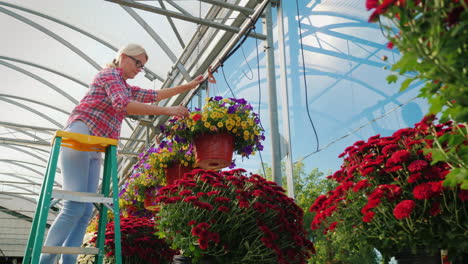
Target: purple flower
<point>218,98</point>
<point>232,109</point>
<point>147,166</point>
<point>241,101</point>
<point>233,164</point>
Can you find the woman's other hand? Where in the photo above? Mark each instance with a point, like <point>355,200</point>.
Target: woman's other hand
<point>195,82</point>
<point>178,111</point>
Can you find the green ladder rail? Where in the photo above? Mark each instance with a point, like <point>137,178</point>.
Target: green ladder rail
<point>80,142</point>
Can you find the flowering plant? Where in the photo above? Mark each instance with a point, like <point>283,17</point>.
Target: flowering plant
<point>432,37</point>
<point>228,115</point>
<point>233,218</point>
<point>133,194</point>
<point>138,242</point>
<point>390,194</point>
<point>170,153</point>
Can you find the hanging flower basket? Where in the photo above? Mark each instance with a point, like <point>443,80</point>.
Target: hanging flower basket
<point>214,151</point>
<point>149,203</point>
<point>176,171</point>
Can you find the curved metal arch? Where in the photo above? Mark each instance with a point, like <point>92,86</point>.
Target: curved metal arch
<point>21,188</point>
<point>24,151</point>
<point>340,15</point>
<point>173,26</point>
<point>32,110</point>
<point>36,102</point>
<point>19,163</point>
<point>46,69</point>
<point>344,56</point>
<point>33,201</point>
<point>58,21</point>
<point>53,35</point>
<point>21,197</point>
<point>30,135</point>
<point>43,81</point>
<point>26,177</point>
<point>158,40</point>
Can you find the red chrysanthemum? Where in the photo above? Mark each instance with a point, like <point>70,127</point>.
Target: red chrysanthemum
<point>404,209</point>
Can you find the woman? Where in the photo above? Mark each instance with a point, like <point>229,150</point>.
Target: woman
<point>100,113</point>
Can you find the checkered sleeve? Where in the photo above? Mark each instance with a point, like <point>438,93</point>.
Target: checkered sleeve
<point>144,95</point>
<point>116,89</point>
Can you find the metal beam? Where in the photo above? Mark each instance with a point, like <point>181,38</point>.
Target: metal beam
<point>53,35</point>
<point>34,128</point>
<point>276,172</point>
<point>36,102</point>
<point>174,28</point>
<point>182,17</point>
<point>158,40</point>
<point>32,110</point>
<point>103,42</point>
<point>244,10</point>
<point>36,77</point>
<point>46,69</point>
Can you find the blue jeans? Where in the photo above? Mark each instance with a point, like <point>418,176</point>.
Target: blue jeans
<point>80,171</point>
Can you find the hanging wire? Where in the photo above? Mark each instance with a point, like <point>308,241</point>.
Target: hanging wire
<point>304,75</point>
<point>357,129</point>
<point>246,62</point>
<point>225,80</point>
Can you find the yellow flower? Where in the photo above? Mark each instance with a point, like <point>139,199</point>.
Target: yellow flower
<point>246,133</point>
<point>226,100</point>
<point>207,124</point>
<point>220,124</point>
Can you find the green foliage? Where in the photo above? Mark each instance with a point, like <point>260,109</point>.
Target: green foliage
<point>432,37</point>
<point>452,148</point>
<point>338,249</point>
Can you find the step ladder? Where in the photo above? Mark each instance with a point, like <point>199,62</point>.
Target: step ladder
<point>82,143</point>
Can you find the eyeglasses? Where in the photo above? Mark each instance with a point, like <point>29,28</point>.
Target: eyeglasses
<point>138,63</point>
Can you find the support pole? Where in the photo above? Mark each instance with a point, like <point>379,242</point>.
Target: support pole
<point>272,102</point>
<point>285,101</point>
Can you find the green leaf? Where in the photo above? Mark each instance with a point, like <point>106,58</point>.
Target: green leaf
<point>392,78</point>
<point>455,139</point>
<point>406,83</point>
<point>437,155</point>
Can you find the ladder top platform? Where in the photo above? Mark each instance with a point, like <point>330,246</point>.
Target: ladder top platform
<point>84,142</point>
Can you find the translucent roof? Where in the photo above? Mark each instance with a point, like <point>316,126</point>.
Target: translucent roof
<point>51,49</point>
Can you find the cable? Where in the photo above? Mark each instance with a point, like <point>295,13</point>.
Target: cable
<point>225,80</point>
<point>246,62</point>
<point>357,129</point>
<point>304,75</point>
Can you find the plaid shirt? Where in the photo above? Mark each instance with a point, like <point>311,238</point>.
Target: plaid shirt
<point>104,106</point>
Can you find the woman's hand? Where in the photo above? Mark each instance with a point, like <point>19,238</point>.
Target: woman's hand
<point>178,111</point>
<point>195,82</point>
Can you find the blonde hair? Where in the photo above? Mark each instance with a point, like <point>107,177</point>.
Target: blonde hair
<point>131,50</point>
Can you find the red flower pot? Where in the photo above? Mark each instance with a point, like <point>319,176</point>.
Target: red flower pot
<point>150,203</point>
<point>175,172</point>
<point>214,151</point>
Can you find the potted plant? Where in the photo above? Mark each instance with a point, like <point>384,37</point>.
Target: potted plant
<point>389,193</point>
<point>173,157</point>
<point>431,36</point>
<point>232,218</point>
<point>229,122</point>
<point>139,244</point>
